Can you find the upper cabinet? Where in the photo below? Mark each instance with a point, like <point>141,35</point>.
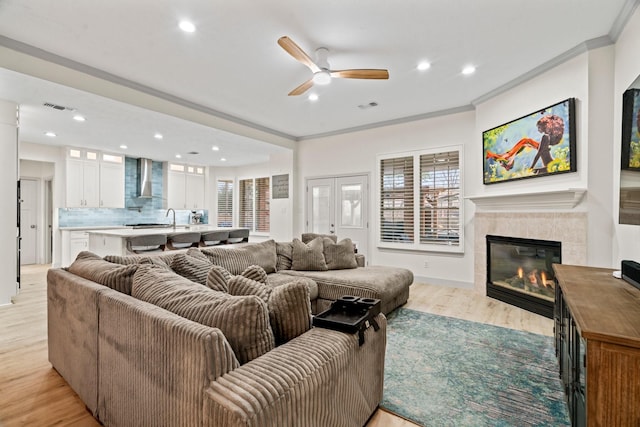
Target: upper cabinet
<point>186,189</point>
<point>94,179</point>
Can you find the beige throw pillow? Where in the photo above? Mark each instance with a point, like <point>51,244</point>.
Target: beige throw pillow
<point>339,255</point>
<point>192,268</point>
<point>115,276</point>
<point>308,257</point>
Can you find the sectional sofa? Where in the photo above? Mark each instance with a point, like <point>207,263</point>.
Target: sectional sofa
<point>219,336</point>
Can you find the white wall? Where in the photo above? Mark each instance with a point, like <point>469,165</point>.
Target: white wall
<point>356,153</point>
<point>626,238</point>
<point>9,196</point>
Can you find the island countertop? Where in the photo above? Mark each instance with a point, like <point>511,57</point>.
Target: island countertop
<point>132,232</point>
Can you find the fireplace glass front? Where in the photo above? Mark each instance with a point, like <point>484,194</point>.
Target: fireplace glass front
<point>519,272</point>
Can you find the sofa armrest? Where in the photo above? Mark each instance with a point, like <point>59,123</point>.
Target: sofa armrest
<point>360,260</point>
<point>155,372</point>
<point>320,378</point>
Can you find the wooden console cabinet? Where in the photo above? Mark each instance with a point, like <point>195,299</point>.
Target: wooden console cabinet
<point>597,333</point>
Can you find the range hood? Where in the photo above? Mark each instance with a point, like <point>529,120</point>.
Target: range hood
<point>144,178</point>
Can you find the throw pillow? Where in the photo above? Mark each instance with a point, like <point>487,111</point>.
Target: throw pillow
<point>236,260</point>
<point>218,279</point>
<point>255,272</point>
<point>244,320</point>
<point>307,237</point>
<point>196,253</point>
<point>284,252</point>
<point>289,305</point>
<point>309,256</point>
<point>115,276</point>
<point>339,255</point>
<point>192,268</point>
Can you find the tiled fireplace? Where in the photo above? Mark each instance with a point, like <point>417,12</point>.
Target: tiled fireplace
<point>567,228</point>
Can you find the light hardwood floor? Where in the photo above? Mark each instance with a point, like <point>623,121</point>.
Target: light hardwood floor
<point>33,394</point>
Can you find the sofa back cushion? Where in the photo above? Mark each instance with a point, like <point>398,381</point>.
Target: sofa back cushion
<point>339,255</point>
<point>307,237</point>
<point>308,256</point>
<point>244,320</point>
<point>135,259</point>
<point>236,260</point>
<point>92,267</point>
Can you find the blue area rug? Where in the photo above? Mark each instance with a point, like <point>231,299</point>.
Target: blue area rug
<point>442,371</point>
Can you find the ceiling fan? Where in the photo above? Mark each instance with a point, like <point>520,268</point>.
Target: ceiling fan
<point>322,74</point>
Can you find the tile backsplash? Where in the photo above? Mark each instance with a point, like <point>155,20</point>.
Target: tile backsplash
<point>101,217</point>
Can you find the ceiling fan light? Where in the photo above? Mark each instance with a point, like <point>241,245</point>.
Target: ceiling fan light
<point>322,77</point>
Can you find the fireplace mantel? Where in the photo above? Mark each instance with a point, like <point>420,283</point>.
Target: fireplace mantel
<point>539,201</point>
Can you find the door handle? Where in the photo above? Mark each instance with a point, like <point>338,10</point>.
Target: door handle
<point>33,226</point>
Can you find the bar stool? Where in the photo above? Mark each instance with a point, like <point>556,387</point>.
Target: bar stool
<point>238,235</point>
<point>212,238</point>
<point>146,244</point>
<point>183,240</point>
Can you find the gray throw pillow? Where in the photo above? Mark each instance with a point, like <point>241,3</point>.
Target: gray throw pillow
<point>339,255</point>
<point>218,279</point>
<point>284,251</point>
<point>308,257</point>
<point>236,260</point>
<point>115,276</point>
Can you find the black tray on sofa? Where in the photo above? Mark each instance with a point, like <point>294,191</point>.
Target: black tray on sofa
<point>348,314</point>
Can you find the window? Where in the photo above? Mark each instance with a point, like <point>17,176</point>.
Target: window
<point>254,208</point>
<point>225,203</point>
<point>420,205</point>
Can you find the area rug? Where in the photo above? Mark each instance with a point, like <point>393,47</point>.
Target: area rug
<point>441,371</point>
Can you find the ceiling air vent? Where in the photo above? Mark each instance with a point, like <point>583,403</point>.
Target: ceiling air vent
<point>58,107</point>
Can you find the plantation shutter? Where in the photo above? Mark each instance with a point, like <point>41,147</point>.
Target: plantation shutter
<point>440,198</point>
<point>396,200</point>
<point>262,204</point>
<point>225,203</point>
<point>245,209</point>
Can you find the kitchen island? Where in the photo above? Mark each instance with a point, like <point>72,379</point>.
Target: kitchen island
<point>114,241</point>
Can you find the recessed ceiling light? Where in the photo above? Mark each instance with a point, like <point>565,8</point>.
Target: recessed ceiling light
<point>187,26</point>
<point>424,65</point>
<point>158,136</point>
<point>178,156</point>
<point>50,134</point>
<point>215,148</point>
<point>222,159</point>
<point>79,118</point>
<point>313,97</point>
<point>469,69</point>
<point>124,147</point>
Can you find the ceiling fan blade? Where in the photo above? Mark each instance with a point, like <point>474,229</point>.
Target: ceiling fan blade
<point>294,50</point>
<point>302,88</point>
<point>360,74</point>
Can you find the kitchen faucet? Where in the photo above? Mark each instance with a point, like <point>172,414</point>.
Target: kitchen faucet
<point>174,217</point>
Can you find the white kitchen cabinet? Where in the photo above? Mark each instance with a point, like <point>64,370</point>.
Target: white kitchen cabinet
<point>94,179</point>
<point>83,178</point>
<point>73,242</point>
<point>185,187</point>
<point>112,182</point>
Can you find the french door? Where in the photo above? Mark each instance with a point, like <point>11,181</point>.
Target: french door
<point>339,205</point>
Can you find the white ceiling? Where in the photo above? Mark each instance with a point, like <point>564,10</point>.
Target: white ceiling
<point>232,66</point>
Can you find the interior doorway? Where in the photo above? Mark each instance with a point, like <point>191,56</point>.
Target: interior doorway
<point>339,205</point>
<point>36,212</point>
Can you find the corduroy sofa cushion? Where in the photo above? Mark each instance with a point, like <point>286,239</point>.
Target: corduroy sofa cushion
<point>289,305</point>
<point>340,255</point>
<point>284,253</point>
<point>218,279</point>
<point>244,320</point>
<point>193,268</point>
<point>307,237</point>
<point>115,276</point>
<point>236,260</point>
<point>135,259</point>
<point>309,256</point>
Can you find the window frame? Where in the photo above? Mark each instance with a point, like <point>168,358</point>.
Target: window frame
<point>229,183</point>
<point>416,245</point>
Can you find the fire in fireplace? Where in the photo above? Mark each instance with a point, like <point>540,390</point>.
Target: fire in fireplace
<point>519,272</point>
